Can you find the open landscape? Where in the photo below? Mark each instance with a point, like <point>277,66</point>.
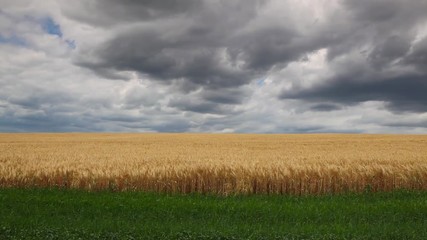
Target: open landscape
<point>213,186</point>
<point>213,119</point>
<point>215,163</point>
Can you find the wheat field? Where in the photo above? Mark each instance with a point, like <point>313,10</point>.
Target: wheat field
<point>223,164</point>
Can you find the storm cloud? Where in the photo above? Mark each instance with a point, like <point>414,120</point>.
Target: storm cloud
<point>382,59</point>
<point>214,66</point>
<point>211,45</point>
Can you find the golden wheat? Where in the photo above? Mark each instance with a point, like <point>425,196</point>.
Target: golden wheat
<point>215,163</point>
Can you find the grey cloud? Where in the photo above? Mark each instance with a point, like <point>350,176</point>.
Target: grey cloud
<point>227,96</point>
<point>172,126</point>
<point>375,11</point>
<point>262,125</point>
<point>138,97</point>
<point>163,123</point>
<point>389,50</point>
<point>210,49</point>
<point>42,122</point>
<point>196,51</point>
<point>221,45</point>
<point>418,55</point>
<point>39,100</point>
<point>103,72</point>
<point>147,52</point>
<point>409,121</point>
<point>198,106</point>
<point>369,24</point>
<point>325,107</point>
<point>222,101</point>
<point>109,12</point>
<point>124,118</point>
<point>387,12</point>
<point>390,66</point>
<point>265,47</point>
<point>406,124</point>
<point>405,93</point>
<point>194,65</point>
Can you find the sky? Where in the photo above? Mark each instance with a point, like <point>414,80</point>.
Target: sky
<point>245,66</point>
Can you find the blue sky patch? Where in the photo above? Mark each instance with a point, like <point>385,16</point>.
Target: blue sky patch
<point>50,27</point>
<point>71,44</point>
<point>13,40</point>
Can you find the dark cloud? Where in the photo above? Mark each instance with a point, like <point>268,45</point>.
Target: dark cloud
<point>132,123</point>
<point>43,122</point>
<point>265,47</point>
<point>375,24</point>
<point>375,11</point>
<point>109,12</point>
<point>405,93</point>
<point>223,44</point>
<point>211,101</point>
<point>325,107</point>
<point>387,12</point>
<point>213,65</point>
<point>376,57</point>
<point>39,100</point>
<point>407,124</point>
<point>226,96</point>
<point>418,55</point>
<point>389,50</point>
<point>186,104</point>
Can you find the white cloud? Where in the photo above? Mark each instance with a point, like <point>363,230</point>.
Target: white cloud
<point>44,86</point>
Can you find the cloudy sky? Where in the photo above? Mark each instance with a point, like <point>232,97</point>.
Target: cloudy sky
<point>270,66</point>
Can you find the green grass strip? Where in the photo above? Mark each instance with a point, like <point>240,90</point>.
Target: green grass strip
<point>73,214</point>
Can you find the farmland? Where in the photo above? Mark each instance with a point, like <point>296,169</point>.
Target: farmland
<point>221,164</point>
<point>77,214</point>
<point>213,186</point>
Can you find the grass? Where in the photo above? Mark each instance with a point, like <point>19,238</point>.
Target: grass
<point>76,214</point>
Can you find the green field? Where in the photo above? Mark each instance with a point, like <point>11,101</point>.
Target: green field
<point>72,214</point>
